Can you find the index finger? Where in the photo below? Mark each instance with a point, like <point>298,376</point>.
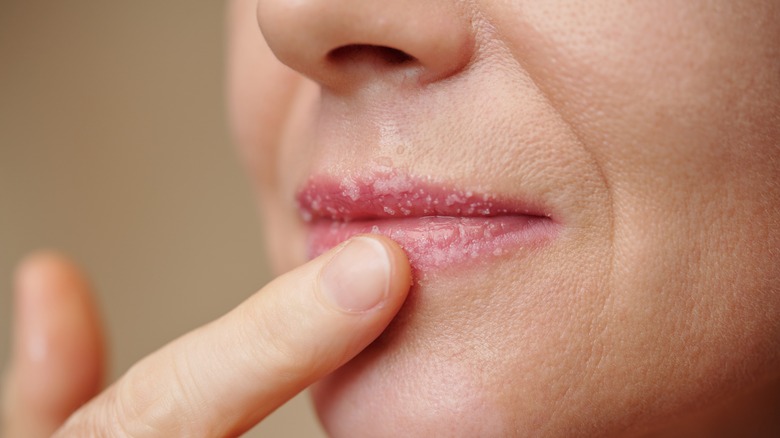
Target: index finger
<point>223,378</point>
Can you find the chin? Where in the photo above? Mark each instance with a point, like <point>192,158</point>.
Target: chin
<point>430,373</point>
<point>372,397</point>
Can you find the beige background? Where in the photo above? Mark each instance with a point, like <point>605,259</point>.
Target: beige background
<point>113,148</point>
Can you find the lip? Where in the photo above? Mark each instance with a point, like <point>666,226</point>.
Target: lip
<point>437,226</point>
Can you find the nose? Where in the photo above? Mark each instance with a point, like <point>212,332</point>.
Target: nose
<point>342,43</point>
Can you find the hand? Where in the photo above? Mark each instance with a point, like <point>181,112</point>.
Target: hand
<point>218,380</point>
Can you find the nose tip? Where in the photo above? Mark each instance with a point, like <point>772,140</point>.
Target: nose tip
<point>342,43</point>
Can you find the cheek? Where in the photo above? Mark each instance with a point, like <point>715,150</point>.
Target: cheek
<point>288,164</point>
<point>266,101</point>
<point>671,88</point>
<point>260,93</point>
<point>677,103</point>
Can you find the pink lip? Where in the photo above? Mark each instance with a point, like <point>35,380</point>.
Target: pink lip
<point>437,226</point>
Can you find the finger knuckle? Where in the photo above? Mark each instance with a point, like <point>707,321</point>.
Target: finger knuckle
<point>140,407</point>
<point>137,405</point>
<point>99,418</point>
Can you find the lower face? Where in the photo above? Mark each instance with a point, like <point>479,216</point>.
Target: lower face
<point>619,266</point>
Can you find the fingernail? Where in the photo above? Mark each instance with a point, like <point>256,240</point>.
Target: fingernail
<point>358,277</point>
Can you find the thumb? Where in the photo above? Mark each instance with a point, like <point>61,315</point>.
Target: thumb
<point>57,357</point>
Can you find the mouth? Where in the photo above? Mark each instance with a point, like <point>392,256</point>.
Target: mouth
<point>437,226</point>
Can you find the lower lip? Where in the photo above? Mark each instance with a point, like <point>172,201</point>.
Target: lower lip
<point>436,242</point>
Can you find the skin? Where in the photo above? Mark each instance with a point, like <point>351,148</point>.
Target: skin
<point>650,133</point>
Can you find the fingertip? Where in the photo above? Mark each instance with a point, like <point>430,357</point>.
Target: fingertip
<point>42,269</point>
<point>58,356</point>
<point>53,305</point>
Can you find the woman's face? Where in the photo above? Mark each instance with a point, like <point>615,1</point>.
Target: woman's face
<point>607,182</point>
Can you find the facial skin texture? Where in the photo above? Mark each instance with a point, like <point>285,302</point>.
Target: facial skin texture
<point>649,131</point>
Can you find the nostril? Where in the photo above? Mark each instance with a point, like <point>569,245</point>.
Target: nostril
<point>370,53</point>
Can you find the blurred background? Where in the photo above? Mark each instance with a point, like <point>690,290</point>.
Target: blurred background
<point>114,149</point>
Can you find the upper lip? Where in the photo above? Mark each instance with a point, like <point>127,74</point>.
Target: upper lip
<point>397,196</point>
